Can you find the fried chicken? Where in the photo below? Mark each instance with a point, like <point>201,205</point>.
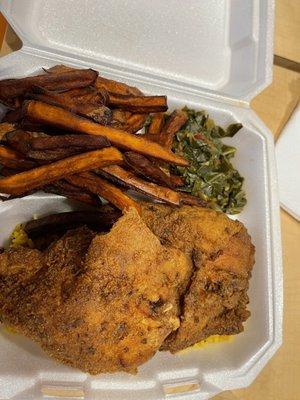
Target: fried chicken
<point>223,256</point>
<point>108,302</point>
<point>101,303</point>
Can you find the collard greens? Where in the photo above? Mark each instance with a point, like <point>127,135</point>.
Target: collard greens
<point>210,175</point>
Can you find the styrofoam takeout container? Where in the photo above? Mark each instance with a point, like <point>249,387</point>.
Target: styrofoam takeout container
<point>212,55</point>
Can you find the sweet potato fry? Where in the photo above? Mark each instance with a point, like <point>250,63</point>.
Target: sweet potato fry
<point>11,159</point>
<point>85,142</point>
<point>45,156</point>
<point>119,119</point>
<point>142,166</point>
<point>25,181</point>
<point>20,140</point>
<point>100,220</point>
<point>138,104</point>
<point>186,198</point>
<point>13,116</point>
<point>16,102</point>
<point>87,94</point>
<point>59,69</point>
<point>42,147</point>
<point>65,186</point>
<point>79,195</point>
<point>116,87</point>
<point>102,114</point>
<point>176,180</point>
<point>13,88</point>
<point>6,171</point>
<point>156,124</point>
<point>175,121</point>
<point>129,180</point>
<point>87,102</point>
<point>51,115</point>
<point>101,83</point>
<point>6,127</point>
<point>135,122</point>
<point>60,187</point>
<point>29,126</point>
<point>13,165</point>
<point>35,127</point>
<point>97,185</point>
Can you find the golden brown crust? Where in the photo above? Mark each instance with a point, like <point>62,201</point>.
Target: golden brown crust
<point>108,312</point>
<point>223,256</point>
<point>107,303</point>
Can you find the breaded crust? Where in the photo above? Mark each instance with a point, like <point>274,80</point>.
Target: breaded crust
<point>223,256</point>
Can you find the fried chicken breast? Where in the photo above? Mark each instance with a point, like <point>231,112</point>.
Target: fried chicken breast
<point>101,303</point>
<point>215,299</point>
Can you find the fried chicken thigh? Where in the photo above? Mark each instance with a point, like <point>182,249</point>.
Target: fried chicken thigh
<point>101,303</point>
<point>215,300</point>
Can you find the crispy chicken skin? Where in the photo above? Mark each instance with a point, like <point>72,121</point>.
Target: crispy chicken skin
<point>101,303</point>
<point>223,256</point>
<point>108,302</point>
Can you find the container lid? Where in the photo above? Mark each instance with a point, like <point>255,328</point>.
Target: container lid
<point>215,46</point>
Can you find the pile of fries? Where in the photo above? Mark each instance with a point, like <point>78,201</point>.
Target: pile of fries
<point>71,132</point>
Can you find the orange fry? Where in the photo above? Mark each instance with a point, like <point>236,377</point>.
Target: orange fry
<point>116,87</point>
<point>97,185</point>
<point>119,118</point>
<point>135,122</point>
<point>6,127</point>
<point>141,165</point>
<point>5,152</point>
<point>131,181</point>
<point>156,124</point>
<point>138,104</point>
<point>11,159</point>
<point>88,102</point>
<point>109,85</point>
<point>37,177</point>
<point>175,121</point>
<point>55,116</point>
<point>12,88</point>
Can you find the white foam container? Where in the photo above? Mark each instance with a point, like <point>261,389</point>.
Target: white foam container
<point>213,55</point>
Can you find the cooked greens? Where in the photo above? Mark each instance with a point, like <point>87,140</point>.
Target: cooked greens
<point>210,174</point>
